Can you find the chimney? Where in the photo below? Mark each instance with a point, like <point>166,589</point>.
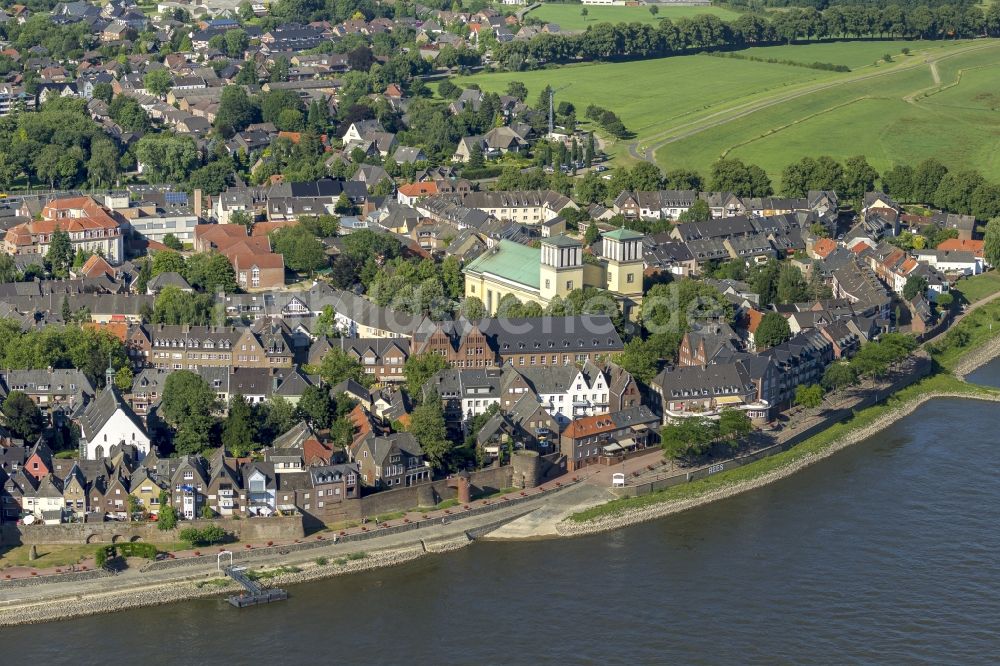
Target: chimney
<point>197,203</point>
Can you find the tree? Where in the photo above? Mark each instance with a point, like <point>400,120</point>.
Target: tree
<point>210,272</point>
<point>338,366</point>
<point>428,426</point>
<point>236,111</point>
<point>477,159</point>
<point>316,407</point>
<point>915,284</point>
<point>167,262</point>
<point>22,416</point>
<point>421,367</point>
<point>239,430</point>
<point>166,517</point>
<point>187,406</point>
<point>944,300</point>
<point>792,287</point>
<point>174,243</point>
<point>682,179</point>
<point>157,82</point>
<point>473,308</point>
<point>734,423</point>
<point>859,177</point>
<point>698,212</point>
<point>637,360</point>
<point>167,157</point>
<point>518,90</point>
<point>732,175</point>
<point>688,437</point>
<point>838,375</point>
<point>991,242</point>
<point>60,254</point>
<point>236,43</point>
<point>810,396</point>
<point>277,416</point>
<point>898,181</point>
<point>303,252</point>
<point>124,378</point>
<point>927,178</point>
<point>772,330</point>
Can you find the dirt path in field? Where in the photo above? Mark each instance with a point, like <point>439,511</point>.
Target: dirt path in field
<point>724,116</point>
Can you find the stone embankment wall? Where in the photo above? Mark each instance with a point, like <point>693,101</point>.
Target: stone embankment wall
<point>162,594</point>
<point>641,514</point>
<point>977,357</point>
<point>277,528</point>
<point>920,370</point>
<point>485,481</point>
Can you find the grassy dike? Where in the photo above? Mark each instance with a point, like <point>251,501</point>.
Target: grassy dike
<point>757,473</point>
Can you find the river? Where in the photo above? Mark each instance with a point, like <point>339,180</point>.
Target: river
<point>887,552</point>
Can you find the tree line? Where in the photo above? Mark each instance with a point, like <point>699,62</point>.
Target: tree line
<point>627,41</point>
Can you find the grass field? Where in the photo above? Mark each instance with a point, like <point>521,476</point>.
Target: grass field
<point>660,92</point>
<point>689,111</point>
<point>979,287</point>
<point>853,54</point>
<point>568,16</point>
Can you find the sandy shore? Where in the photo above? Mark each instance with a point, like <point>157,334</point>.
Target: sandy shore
<point>651,512</point>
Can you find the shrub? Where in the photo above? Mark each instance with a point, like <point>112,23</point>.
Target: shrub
<point>203,537</point>
<point>103,554</point>
<point>138,549</point>
<point>356,556</point>
<point>321,561</point>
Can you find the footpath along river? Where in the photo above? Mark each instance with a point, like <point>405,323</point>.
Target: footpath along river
<point>885,553</point>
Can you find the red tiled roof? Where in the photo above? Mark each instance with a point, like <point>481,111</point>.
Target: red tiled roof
<point>823,247</point>
<point>96,266</point>
<point>265,228</point>
<point>952,244</point>
<point>589,425</point>
<point>419,189</point>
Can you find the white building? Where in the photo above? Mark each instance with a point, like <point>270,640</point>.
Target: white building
<point>108,422</point>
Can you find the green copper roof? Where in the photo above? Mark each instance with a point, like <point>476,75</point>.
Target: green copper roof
<point>622,235</point>
<point>562,240</point>
<point>511,261</point>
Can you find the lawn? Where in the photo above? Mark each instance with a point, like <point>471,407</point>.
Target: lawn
<point>979,287</point>
<point>48,556</point>
<point>568,16</point>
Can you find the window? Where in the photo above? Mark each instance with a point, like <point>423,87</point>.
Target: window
<point>569,285</point>
<point>630,278</point>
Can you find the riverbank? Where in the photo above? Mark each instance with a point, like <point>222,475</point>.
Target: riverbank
<point>978,357</point>
<point>135,589</point>
<point>630,511</point>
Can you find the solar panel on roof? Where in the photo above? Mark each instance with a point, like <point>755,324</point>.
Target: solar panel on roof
<point>175,197</point>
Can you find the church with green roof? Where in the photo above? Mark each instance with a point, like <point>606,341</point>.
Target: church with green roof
<point>556,268</point>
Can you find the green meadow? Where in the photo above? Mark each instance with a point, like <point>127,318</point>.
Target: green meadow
<point>569,17</point>
<point>689,111</point>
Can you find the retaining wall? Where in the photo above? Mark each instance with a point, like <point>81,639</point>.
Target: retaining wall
<point>276,528</point>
